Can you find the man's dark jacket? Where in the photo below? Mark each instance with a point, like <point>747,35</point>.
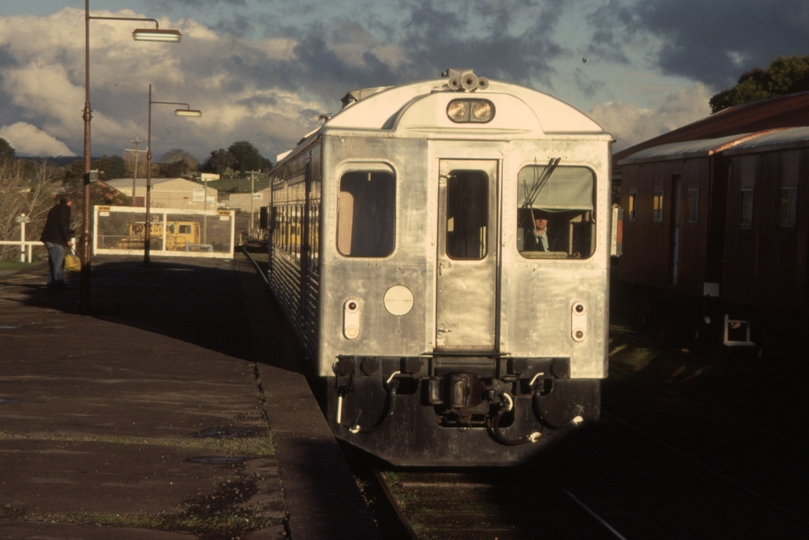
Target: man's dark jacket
<point>57,227</point>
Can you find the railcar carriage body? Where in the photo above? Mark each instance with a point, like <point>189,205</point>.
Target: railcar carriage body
<point>406,251</point>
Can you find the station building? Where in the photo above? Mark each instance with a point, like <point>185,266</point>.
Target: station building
<point>169,193</point>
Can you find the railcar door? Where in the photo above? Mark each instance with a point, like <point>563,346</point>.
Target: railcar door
<point>466,293</point>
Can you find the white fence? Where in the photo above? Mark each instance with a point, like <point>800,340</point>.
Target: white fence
<point>25,247</point>
<point>174,232</point>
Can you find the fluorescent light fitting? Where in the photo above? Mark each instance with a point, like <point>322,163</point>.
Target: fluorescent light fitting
<point>155,34</point>
<point>187,112</point>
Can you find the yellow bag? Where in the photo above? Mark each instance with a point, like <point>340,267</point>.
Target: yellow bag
<point>72,263</point>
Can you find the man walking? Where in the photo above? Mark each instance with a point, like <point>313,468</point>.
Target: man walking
<point>56,236</point>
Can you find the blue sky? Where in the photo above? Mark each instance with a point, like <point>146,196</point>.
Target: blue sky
<point>264,70</point>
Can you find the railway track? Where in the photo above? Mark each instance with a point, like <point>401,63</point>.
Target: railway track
<point>503,504</point>
<point>659,465</point>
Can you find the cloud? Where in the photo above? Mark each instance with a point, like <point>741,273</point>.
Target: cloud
<point>711,42</point>
<point>631,124</point>
<point>264,71</point>
<point>267,90</point>
<point>28,140</point>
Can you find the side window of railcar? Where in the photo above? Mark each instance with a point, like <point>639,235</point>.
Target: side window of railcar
<point>555,216</point>
<point>366,216</point>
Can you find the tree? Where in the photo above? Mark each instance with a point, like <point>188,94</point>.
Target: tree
<point>24,192</point>
<point>783,76</point>
<point>110,168</point>
<point>177,162</point>
<point>6,151</point>
<point>248,157</point>
<point>219,161</point>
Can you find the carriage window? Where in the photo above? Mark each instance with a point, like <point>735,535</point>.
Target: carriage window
<point>555,212</point>
<point>746,218</point>
<point>467,214</point>
<point>633,208</point>
<point>692,206</point>
<point>366,215</point>
<point>657,206</point>
<point>789,206</point>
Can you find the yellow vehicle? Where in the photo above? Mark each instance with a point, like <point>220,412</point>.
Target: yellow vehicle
<point>180,236</point>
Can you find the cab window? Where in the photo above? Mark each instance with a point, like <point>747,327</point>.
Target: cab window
<point>555,218</point>
<point>366,216</point>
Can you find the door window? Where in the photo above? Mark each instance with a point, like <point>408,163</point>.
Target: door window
<point>467,214</point>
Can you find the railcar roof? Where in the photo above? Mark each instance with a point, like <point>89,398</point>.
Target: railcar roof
<point>771,140</point>
<point>378,109</point>
<point>374,111</point>
<point>743,143</point>
<point>684,149</point>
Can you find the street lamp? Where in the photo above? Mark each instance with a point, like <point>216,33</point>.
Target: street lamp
<point>147,226</point>
<point>140,34</point>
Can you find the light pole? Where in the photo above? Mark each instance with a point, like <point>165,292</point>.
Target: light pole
<point>136,141</point>
<point>147,227</point>
<point>140,34</point>
<point>252,197</point>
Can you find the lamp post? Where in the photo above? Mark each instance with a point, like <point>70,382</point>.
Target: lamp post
<point>140,34</point>
<point>136,141</point>
<point>147,227</point>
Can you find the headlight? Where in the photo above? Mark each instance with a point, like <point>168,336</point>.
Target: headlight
<point>470,110</point>
<point>482,111</point>
<point>458,110</point>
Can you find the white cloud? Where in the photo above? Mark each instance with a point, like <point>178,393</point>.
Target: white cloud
<point>270,90</point>
<point>235,82</point>
<point>631,124</point>
<point>28,140</point>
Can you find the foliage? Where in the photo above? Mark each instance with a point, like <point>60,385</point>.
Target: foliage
<point>241,156</point>
<point>73,175</point>
<point>24,193</point>
<point>219,161</point>
<point>783,76</point>
<point>248,157</point>
<point>110,168</point>
<point>177,162</point>
<point>6,151</point>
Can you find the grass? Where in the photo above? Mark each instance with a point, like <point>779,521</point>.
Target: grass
<point>225,514</point>
<point>16,266</point>
<point>252,446</point>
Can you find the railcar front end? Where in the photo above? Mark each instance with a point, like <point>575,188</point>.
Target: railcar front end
<point>443,250</point>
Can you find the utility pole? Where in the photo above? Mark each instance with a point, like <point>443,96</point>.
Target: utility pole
<point>252,196</point>
<point>136,141</point>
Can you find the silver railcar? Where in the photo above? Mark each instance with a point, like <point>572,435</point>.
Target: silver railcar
<point>407,250</point>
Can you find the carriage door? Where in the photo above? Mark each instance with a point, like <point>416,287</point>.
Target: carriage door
<point>466,293</point>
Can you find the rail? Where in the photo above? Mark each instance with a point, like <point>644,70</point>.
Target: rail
<point>259,271</point>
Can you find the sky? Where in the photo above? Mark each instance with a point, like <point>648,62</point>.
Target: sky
<point>265,70</point>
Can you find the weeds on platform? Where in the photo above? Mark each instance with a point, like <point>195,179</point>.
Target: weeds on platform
<point>260,446</point>
<point>222,515</point>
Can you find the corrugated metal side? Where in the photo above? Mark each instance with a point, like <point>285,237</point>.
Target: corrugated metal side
<point>285,282</point>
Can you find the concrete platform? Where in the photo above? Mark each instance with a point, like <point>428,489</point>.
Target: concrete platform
<point>163,414</point>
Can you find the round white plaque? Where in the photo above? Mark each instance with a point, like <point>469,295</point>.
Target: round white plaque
<point>398,300</point>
